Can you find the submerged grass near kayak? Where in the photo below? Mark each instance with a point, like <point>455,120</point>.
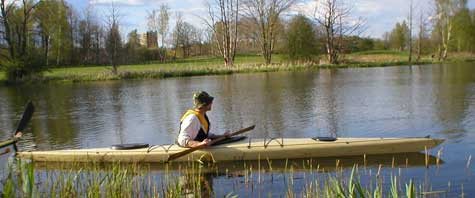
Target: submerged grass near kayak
<point>249,149</point>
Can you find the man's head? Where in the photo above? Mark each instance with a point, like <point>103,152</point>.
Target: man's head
<point>202,100</point>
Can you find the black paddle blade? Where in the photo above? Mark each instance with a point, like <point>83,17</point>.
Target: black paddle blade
<point>26,117</point>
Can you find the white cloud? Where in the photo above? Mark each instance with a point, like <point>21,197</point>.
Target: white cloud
<point>381,15</point>
<point>119,2</point>
<point>305,8</point>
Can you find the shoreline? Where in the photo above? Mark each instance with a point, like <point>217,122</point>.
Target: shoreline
<point>161,71</point>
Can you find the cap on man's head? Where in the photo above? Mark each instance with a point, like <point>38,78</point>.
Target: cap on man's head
<point>202,99</point>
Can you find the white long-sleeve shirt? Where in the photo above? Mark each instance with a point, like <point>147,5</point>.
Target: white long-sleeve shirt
<point>189,129</point>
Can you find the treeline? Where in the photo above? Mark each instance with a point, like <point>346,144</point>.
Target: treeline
<point>37,35</point>
<point>451,28</point>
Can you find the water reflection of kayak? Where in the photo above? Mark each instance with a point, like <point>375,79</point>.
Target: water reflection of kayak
<point>251,149</point>
<point>400,160</point>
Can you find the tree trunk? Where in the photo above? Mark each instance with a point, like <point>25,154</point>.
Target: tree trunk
<point>446,43</point>
<point>6,25</point>
<point>58,53</point>
<point>46,49</point>
<point>410,33</point>
<point>419,49</point>
<point>439,52</point>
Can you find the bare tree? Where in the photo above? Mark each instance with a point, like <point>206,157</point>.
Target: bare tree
<point>184,36</point>
<point>445,10</point>
<point>87,29</point>
<point>6,14</point>
<point>73,21</point>
<point>422,30</point>
<point>17,46</point>
<point>179,23</point>
<point>28,6</point>
<point>410,31</point>
<point>157,22</point>
<point>163,29</point>
<point>223,22</point>
<point>153,22</point>
<point>113,39</point>
<point>198,37</point>
<point>163,23</point>
<point>335,18</point>
<point>265,16</point>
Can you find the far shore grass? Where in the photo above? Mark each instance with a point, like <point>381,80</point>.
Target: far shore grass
<point>198,66</point>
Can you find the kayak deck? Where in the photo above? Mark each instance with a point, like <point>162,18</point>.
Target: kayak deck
<point>251,149</point>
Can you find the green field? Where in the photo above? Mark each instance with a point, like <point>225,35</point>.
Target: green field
<point>214,66</point>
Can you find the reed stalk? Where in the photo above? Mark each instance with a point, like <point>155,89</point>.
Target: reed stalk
<point>469,159</point>
<point>135,180</point>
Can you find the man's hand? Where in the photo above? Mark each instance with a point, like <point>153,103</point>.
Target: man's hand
<point>227,134</point>
<point>206,142</point>
<point>18,134</point>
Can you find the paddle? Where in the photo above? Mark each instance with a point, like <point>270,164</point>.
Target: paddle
<point>7,150</point>
<point>190,150</point>
<point>25,118</point>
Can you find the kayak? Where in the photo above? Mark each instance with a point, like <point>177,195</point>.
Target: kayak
<point>325,164</point>
<point>244,149</point>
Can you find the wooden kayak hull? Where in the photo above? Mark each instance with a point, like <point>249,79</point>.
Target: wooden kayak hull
<point>252,149</point>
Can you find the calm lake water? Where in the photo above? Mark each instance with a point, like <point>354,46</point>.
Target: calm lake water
<point>405,101</point>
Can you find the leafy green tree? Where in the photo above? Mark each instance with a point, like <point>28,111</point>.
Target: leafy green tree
<point>443,20</point>
<point>132,47</point>
<point>472,46</point>
<point>399,36</point>
<point>301,42</point>
<point>17,22</point>
<point>54,30</point>
<point>462,30</point>
<point>356,44</point>
<point>265,15</point>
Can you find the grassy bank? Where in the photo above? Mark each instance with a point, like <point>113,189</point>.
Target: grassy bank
<point>198,66</point>
<point>192,179</point>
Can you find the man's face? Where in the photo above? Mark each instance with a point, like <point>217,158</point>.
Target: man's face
<point>208,107</point>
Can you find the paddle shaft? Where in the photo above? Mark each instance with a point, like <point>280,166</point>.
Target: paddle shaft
<point>8,142</point>
<point>25,118</point>
<point>190,150</point>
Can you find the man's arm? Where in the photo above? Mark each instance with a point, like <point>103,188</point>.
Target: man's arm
<point>189,128</point>
<point>214,136</point>
<point>192,143</point>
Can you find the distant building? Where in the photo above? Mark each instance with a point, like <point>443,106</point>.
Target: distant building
<point>143,39</point>
<point>149,39</point>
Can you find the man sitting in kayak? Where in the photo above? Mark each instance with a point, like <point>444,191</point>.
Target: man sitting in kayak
<point>195,125</point>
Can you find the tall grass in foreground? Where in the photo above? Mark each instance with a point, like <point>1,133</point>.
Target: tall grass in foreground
<point>191,179</point>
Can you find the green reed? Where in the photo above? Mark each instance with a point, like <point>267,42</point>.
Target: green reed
<point>27,179</point>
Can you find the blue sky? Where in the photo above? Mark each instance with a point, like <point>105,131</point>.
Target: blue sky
<point>380,15</point>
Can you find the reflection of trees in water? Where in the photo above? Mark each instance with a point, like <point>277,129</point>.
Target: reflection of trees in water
<point>116,102</point>
<point>275,102</point>
<point>6,116</point>
<point>280,103</point>
<point>198,185</point>
<point>329,105</point>
<point>453,92</point>
<point>52,117</point>
<point>231,114</point>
